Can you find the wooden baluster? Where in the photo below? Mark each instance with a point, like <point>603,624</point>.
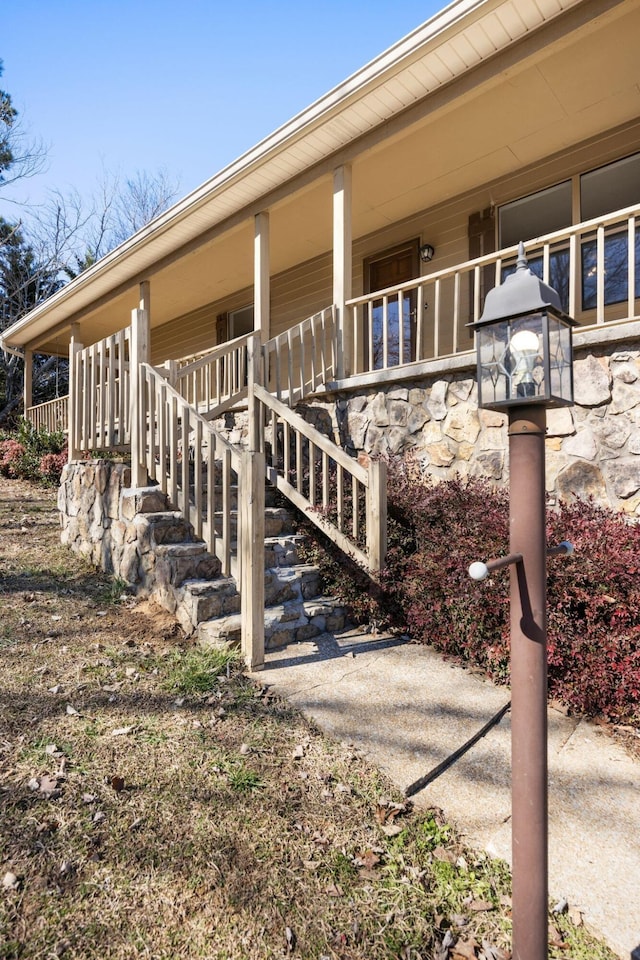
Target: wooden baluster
<point>226,512</point>
<point>456,311</point>
<point>436,318</point>
<point>325,480</point>
<point>631,275</point>
<point>600,275</point>
<point>197,475</point>
<point>339,498</point>
<point>212,534</point>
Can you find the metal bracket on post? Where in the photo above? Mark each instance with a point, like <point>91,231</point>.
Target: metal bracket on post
<point>479,570</point>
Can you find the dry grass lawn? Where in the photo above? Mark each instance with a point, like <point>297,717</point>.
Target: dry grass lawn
<point>156,803</point>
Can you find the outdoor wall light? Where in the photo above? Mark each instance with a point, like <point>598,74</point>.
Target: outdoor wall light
<point>427,252</point>
<point>523,341</point>
<point>523,344</point>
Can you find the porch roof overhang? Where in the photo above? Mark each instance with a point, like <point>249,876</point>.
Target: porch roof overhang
<point>487,54</point>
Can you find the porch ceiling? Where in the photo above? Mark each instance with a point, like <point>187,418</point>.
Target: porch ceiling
<point>499,115</point>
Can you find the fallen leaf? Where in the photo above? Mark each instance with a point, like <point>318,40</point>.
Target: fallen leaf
<point>71,711</point>
<point>310,864</point>
<point>121,731</point>
<point>444,856</point>
<point>491,952</point>
<point>117,783</point>
<point>49,786</point>
<point>480,905</point>
<point>98,817</point>
<point>290,938</point>
<point>89,798</point>
<point>391,830</point>
<point>10,881</point>
<point>387,811</point>
<point>465,949</point>
<point>298,753</point>
<point>575,916</point>
<point>51,749</point>
<point>33,784</point>
<point>368,860</point>
<point>56,689</point>
<point>334,890</point>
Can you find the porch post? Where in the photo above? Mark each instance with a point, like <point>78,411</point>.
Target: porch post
<point>73,436</point>
<point>138,354</point>
<point>251,507</point>
<point>28,380</point>
<point>261,274</point>
<point>342,264</point>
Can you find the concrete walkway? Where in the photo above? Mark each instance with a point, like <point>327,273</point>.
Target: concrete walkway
<point>407,710</point>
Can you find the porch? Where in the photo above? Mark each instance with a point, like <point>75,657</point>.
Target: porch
<point>168,417</point>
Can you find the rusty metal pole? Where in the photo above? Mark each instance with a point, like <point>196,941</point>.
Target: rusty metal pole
<point>527,426</point>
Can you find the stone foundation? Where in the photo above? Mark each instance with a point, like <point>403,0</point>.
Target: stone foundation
<point>593,448</point>
<point>129,533</point>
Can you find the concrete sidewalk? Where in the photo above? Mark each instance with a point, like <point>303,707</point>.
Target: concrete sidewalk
<point>406,710</point>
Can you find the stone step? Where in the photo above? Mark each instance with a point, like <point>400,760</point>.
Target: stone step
<point>277,521</point>
<point>161,527</point>
<point>199,600</point>
<point>290,622</point>
<point>177,562</point>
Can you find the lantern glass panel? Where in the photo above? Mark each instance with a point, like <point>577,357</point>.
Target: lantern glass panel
<point>511,361</point>
<point>560,362</point>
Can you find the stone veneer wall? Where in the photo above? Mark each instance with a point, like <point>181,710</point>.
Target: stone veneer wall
<point>111,525</point>
<point>593,448</point>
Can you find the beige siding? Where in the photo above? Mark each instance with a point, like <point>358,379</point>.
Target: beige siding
<point>307,288</point>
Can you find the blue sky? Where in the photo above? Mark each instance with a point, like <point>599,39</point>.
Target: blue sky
<point>135,85</point>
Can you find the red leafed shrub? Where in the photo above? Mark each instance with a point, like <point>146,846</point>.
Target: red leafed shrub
<point>11,454</point>
<point>51,465</point>
<point>593,598</point>
<point>593,604</point>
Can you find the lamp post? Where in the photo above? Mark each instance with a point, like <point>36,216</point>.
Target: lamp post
<point>523,342</point>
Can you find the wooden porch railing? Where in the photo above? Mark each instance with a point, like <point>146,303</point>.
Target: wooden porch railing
<point>344,499</point>
<point>594,266</point>
<point>197,468</point>
<point>303,358</point>
<point>214,381</point>
<point>100,379</point>
<point>52,416</point>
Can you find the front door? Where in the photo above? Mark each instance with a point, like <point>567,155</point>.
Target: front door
<point>392,325</point>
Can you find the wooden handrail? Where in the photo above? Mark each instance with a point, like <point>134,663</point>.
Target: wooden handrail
<point>335,492</point>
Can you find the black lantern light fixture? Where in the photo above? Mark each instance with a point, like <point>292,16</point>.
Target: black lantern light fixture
<point>523,344</point>
<point>427,252</point>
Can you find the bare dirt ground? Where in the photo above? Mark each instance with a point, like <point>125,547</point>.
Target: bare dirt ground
<point>156,803</point>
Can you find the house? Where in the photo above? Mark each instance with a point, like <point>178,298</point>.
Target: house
<point>308,307</point>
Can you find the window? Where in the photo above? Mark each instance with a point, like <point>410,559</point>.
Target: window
<point>536,215</point>
<point>240,322</point>
<point>601,191</point>
<point>613,187</point>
